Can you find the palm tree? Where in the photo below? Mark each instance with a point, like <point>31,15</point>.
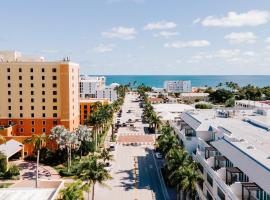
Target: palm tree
<point>167,142</point>
<point>91,171</point>
<point>38,141</point>
<point>191,177</point>
<point>106,156</point>
<point>73,191</point>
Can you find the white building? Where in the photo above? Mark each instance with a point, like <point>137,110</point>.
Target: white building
<point>252,104</point>
<point>178,86</point>
<point>107,92</point>
<point>232,149</point>
<point>94,87</point>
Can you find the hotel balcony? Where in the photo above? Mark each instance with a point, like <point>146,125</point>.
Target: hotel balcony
<point>229,178</point>
<point>186,136</point>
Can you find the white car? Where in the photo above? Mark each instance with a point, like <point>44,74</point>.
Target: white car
<point>108,167</point>
<point>158,155</point>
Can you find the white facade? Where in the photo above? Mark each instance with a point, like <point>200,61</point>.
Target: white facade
<point>232,149</point>
<point>94,87</point>
<point>177,86</point>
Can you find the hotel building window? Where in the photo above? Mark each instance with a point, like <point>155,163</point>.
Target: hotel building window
<point>31,77</point>
<point>43,107</point>
<point>20,92</point>
<point>53,69</point>
<point>54,122</point>
<point>9,85</point>
<point>43,92</point>
<point>54,114</point>
<point>54,107</point>
<point>21,100</point>
<point>8,69</point>
<point>54,92</point>
<point>32,85</point>
<point>32,115</point>
<point>43,123</point>
<point>9,107</point>
<point>54,100</point>
<point>21,130</point>
<point>32,92</point>
<point>33,130</point>
<point>9,115</point>
<point>43,84</point>
<point>32,100</point>
<point>32,108</point>
<point>21,122</point>
<point>44,130</point>
<point>43,70</point>
<point>33,122</point>
<point>9,92</point>
<point>20,84</point>
<point>20,69</point>
<point>54,85</point>
<point>8,77</point>
<point>210,180</point>
<point>43,78</point>
<point>54,78</point>
<point>43,115</point>
<point>31,70</point>
<point>21,108</point>
<point>9,100</point>
<point>43,100</point>
<point>20,77</point>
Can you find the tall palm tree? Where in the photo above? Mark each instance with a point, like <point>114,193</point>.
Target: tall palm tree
<point>38,141</point>
<point>106,156</point>
<point>73,191</point>
<point>91,171</point>
<point>191,177</point>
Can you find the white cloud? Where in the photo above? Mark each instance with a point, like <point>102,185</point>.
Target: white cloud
<point>196,21</point>
<point>124,33</point>
<point>244,37</point>
<point>233,19</point>
<point>161,25</point>
<point>227,55</point>
<point>166,34</point>
<point>187,44</point>
<point>267,40</point>
<point>101,48</point>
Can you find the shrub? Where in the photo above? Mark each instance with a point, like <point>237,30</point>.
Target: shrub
<point>12,173</point>
<point>3,163</point>
<point>203,106</point>
<point>230,102</point>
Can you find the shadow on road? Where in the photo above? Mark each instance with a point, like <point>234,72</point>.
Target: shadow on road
<point>128,181</point>
<point>148,175</point>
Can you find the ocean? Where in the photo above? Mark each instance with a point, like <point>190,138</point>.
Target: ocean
<point>203,80</point>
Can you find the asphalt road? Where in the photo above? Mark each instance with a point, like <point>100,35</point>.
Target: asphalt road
<point>135,173</point>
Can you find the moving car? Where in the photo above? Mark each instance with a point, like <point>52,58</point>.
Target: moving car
<point>112,147</point>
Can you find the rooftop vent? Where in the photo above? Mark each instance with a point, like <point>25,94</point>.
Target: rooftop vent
<point>250,147</point>
<point>242,140</point>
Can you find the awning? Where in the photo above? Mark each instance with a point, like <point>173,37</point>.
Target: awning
<point>11,147</point>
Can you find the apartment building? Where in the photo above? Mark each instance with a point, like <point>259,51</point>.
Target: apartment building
<point>232,151</point>
<point>37,95</point>
<point>90,84</point>
<point>87,106</point>
<point>94,87</point>
<point>177,86</point>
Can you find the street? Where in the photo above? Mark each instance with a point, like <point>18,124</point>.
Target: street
<point>135,173</point>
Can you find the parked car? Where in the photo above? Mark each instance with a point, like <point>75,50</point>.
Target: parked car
<point>108,166</point>
<point>158,155</point>
<point>112,147</point>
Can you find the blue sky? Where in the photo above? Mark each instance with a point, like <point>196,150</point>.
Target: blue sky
<point>143,36</point>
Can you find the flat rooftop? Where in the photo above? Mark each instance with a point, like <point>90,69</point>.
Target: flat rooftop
<point>25,190</point>
<point>245,129</point>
